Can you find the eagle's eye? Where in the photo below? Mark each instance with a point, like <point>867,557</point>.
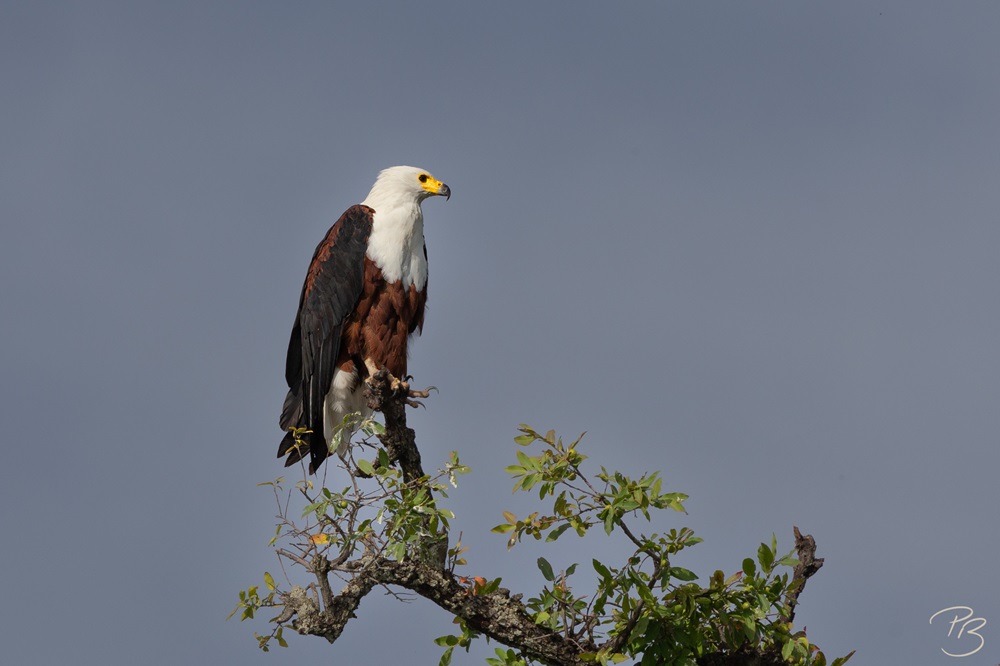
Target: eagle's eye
<point>422,178</point>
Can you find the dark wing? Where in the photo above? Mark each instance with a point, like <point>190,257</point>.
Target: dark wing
<point>418,321</point>
<point>330,294</point>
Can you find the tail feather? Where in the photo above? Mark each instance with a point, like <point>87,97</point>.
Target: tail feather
<point>312,443</point>
<point>319,450</point>
<point>292,417</point>
<point>291,412</point>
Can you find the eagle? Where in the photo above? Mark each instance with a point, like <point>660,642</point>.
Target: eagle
<point>363,298</point>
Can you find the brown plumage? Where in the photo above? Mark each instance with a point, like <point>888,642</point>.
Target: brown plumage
<point>382,322</point>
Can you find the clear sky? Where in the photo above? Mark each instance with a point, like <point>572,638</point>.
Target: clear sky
<point>752,245</point>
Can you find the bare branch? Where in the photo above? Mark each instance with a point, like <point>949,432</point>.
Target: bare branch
<point>294,558</point>
<point>808,565</point>
<point>398,439</point>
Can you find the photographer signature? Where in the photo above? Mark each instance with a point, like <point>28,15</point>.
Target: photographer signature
<point>968,629</point>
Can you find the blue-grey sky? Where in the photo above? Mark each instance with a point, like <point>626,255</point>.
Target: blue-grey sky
<point>752,245</point>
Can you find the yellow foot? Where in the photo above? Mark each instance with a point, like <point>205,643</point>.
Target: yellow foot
<point>397,385</point>
<point>425,393</point>
<point>400,385</point>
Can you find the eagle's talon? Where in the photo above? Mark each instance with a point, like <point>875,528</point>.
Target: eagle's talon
<point>425,393</point>
<point>414,403</point>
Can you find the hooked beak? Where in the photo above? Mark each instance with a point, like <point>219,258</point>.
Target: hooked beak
<point>434,187</point>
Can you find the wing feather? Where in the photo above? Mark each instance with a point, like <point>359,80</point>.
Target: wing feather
<point>330,294</point>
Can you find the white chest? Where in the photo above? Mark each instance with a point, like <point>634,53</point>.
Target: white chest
<point>396,245</point>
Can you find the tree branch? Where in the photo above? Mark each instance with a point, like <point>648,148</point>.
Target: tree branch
<point>398,439</point>
<point>808,565</point>
<point>329,622</point>
<point>497,614</point>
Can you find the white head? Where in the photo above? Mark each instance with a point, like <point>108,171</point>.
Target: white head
<point>400,185</point>
<point>396,243</point>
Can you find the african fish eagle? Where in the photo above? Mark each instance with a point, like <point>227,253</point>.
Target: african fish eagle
<point>363,297</point>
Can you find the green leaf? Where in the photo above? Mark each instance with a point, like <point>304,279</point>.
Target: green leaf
<point>524,440</point>
<point>786,650</point>
<point>310,508</point>
<point>840,661</point>
<point>557,532</point>
<point>366,467</point>
<point>269,581</point>
<point>491,586</point>
<point>546,569</point>
<point>645,593</point>
<point>749,567</point>
<point>766,558</point>
<point>602,570</point>
<point>609,521</point>
<point>682,574</point>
